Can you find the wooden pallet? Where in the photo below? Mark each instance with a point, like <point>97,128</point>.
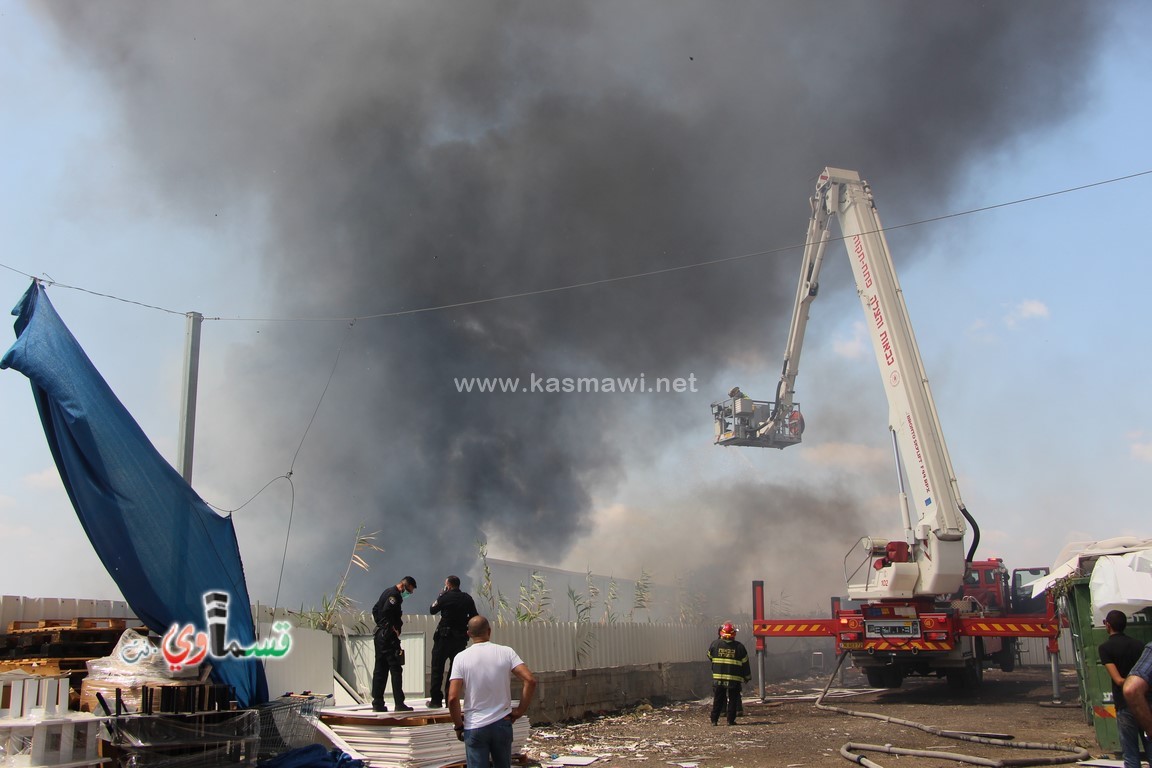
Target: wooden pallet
<point>46,666</point>
<point>61,642</point>
<point>16,627</point>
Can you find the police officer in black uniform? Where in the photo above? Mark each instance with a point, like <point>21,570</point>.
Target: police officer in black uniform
<point>455,608</point>
<point>389,655</point>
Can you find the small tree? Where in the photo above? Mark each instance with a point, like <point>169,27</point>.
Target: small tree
<point>334,612</point>
<point>582,605</point>
<point>585,636</point>
<point>488,590</point>
<point>610,602</point>
<point>534,600</point>
<point>642,599</point>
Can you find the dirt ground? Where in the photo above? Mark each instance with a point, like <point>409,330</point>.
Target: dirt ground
<point>787,730</point>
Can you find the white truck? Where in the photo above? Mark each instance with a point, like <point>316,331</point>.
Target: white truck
<point>920,604</point>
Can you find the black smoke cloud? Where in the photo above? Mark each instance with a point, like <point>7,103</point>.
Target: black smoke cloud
<point>416,154</point>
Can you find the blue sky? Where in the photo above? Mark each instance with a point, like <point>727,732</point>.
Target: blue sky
<point>75,212</point>
<point>1036,341</point>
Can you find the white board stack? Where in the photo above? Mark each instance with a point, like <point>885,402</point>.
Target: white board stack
<point>422,739</point>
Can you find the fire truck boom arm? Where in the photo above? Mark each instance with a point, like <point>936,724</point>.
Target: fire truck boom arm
<point>935,508</point>
<point>932,511</point>
<point>806,289</point>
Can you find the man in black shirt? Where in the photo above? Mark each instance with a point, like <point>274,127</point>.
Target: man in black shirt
<point>389,655</point>
<point>1119,653</point>
<point>455,608</point>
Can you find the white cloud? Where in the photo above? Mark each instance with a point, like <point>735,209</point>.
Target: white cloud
<point>982,331</point>
<point>1141,451</point>
<point>45,479</point>
<point>1026,310</point>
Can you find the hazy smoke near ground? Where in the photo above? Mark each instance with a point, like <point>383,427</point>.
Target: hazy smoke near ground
<point>720,536</point>
<point>417,154</point>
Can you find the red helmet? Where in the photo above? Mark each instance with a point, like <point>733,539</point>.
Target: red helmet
<point>728,630</point>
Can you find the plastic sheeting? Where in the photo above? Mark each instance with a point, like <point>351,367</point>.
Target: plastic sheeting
<point>1070,558</point>
<point>163,546</point>
<point>1121,582</point>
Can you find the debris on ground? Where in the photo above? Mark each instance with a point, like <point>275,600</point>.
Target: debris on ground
<point>785,729</point>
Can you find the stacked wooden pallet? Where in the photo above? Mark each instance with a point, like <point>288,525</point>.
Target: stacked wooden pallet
<point>58,646</point>
<point>421,739</point>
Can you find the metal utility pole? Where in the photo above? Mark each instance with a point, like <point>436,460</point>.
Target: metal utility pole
<point>187,436</point>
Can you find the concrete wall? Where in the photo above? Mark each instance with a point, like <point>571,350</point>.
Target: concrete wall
<point>576,694</point>
<point>580,693</point>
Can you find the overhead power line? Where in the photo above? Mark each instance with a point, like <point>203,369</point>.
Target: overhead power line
<point>586,283</point>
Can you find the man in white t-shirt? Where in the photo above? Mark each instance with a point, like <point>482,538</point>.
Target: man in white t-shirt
<point>482,674</point>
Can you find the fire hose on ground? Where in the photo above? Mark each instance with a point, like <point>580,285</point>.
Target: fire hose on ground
<point>849,751</point>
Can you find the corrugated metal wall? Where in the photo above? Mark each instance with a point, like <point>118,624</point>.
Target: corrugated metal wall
<point>1034,650</point>
<point>560,646</point>
<point>545,647</point>
<point>550,647</point>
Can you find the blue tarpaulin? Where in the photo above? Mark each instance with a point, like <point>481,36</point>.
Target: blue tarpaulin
<point>161,543</point>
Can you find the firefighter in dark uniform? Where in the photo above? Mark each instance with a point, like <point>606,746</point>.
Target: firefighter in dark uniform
<point>389,655</point>
<point>730,670</point>
<point>455,608</point>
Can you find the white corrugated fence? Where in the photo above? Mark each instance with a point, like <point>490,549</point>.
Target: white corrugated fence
<point>544,646</point>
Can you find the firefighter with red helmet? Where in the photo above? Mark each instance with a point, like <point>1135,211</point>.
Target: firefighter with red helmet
<point>730,670</point>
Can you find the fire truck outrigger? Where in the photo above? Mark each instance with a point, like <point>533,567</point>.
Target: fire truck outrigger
<point>918,605</point>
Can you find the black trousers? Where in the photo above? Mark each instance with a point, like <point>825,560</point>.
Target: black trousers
<point>445,646</point>
<point>725,699</point>
<point>389,662</point>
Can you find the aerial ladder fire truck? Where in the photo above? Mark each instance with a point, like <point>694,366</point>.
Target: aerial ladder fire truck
<point>917,603</point>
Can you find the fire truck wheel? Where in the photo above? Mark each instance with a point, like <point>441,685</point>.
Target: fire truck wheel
<point>884,677</point>
<point>1007,656</point>
<point>875,676</point>
<point>967,679</point>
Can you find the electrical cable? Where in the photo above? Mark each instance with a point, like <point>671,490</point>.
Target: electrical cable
<point>331,373</point>
<point>287,536</point>
<point>850,749</point>
<point>49,281</point>
<point>602,281</point>
<point>287,533</point>
<point>254,496</point>
<point>291,468</point>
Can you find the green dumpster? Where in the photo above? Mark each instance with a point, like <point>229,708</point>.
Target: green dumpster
<point>1095,684</point>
